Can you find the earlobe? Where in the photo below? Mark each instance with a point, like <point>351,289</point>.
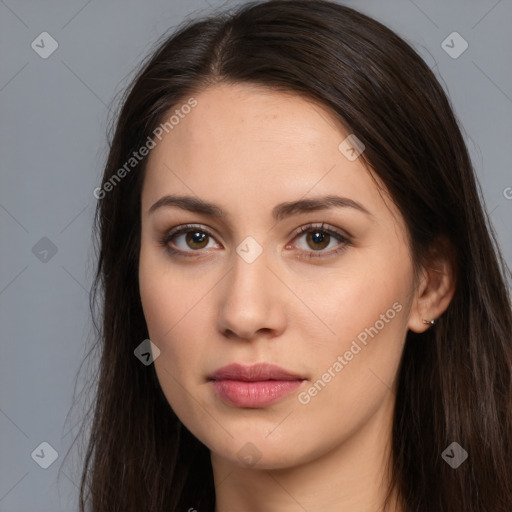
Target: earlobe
<point>435,290</point>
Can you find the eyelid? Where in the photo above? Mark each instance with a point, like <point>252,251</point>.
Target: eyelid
<point>343,237</point>
<point>322,226</point>
<point>182,229</point>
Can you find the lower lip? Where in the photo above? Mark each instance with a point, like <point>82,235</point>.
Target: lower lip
<point>254,394</point>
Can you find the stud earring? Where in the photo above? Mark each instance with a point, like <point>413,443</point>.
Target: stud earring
<point>430,322</point>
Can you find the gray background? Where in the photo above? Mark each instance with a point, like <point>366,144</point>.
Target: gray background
<point>54,114</point>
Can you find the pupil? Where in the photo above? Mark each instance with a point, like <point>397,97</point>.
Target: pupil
<point>318,237</point>
<point>196,238</point>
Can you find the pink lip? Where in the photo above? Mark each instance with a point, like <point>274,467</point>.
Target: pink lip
<point>253,386</point>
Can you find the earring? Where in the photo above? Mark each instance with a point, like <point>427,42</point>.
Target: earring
<point>430,322</point>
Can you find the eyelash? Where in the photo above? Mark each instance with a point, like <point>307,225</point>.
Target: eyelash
<point>344,241</point>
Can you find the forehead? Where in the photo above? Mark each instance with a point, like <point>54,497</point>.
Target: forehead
<point>232,122</point>
<point>242,143</point>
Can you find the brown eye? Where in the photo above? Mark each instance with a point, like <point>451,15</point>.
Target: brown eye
<point>312,240</point>
<point>187,239</point>
<point>318,239</point>
<point>196,239</point>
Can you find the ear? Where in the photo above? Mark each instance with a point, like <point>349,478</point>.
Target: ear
<point>435,288</point>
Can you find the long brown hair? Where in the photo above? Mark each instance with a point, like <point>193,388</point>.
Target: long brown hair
<point>455,380</point>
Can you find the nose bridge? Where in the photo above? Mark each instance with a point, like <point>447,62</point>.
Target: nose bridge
<point>250,300</point>
<point>249,277</point>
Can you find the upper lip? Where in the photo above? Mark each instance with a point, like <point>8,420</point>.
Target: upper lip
<point>253,373</point>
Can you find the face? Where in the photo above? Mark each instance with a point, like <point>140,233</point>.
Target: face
<point>321,289</point>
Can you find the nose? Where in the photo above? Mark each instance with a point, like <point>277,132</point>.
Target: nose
<point>251,301</point>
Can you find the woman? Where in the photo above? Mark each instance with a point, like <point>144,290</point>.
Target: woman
<point>303,306</point>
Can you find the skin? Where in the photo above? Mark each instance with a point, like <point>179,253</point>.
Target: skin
<point>246,149</point>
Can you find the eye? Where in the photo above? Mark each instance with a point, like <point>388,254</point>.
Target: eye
<point>188,239</point>
<point>191,237</point>
<point>318,237</point>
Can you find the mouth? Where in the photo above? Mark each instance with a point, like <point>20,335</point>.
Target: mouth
<point>253,386</point>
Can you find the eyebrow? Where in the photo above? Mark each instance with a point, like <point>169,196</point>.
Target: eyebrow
<point>279,212</point>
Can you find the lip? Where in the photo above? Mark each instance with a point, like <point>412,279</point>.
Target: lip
<point>253,373</point>
<point>253,386</point>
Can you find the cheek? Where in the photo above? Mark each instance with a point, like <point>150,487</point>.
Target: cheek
<point>352,381</point>
<point>351,302</point>
<point>167,310</point>
<point>169,313</point>
<point>366,310</point>
<point>164,295</point>
<point>175,310</point>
